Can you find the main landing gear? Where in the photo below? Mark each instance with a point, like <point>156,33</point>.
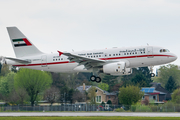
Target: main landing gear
<point>152,74</point>
<point>93,78</point>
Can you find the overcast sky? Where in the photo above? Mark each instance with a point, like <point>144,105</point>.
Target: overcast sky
<point>92,24</point>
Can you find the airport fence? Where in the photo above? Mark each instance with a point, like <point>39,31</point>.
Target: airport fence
<point>90,107</point>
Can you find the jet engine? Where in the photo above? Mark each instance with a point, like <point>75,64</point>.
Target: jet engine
<point>117,68</point>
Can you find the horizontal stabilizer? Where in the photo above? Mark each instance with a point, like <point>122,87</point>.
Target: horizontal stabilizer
<point>19,60</point>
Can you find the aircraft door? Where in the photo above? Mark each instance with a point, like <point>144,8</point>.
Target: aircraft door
<point>105,56</point>
<point>150,52</point>
<point>44,61</point>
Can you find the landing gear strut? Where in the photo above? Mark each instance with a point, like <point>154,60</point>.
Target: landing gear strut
<point>93,78</point>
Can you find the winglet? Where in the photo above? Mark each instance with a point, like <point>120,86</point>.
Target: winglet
<point>60,53</point>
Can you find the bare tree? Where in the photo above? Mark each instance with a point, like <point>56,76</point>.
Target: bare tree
<point>22,94</point>
<point>77,96</point>
<point>52,95</point>
<point>13,98</point>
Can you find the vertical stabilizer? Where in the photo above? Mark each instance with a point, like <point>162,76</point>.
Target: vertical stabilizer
<point>21,45</point>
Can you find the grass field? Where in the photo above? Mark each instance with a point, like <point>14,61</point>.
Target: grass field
<point>89,118</point>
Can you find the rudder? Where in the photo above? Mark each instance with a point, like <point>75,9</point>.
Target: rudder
<point>21,45</point>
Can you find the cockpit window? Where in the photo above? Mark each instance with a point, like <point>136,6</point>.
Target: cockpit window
<point>164,50</point>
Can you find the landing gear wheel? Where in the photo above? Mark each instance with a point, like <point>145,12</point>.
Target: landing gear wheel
<point>152,74</point>
<point>93,78</point>
<point>98,79</point>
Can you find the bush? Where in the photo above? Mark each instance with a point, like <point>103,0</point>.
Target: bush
<point>119,110</point>
<point>177,108</point>
<point>176,96</point>
<point>168,107</point>
<point>154,108</point>
<point>133,108</point>
<point>109,102</point>
<point>143,108</point>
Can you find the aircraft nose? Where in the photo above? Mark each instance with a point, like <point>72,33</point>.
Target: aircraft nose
<point>174,57</point>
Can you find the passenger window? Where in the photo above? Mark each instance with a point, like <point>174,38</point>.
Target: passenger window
<point>109,54</point>
<point>116,54</point>
<point>113,54</point>
<point>135,52</point>
<point>96,55</point>
<point>119,54</point>
<point>124,53</point>
<point>99,55</point>
<point>127,53</point>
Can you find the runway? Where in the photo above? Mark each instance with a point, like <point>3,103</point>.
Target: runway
<point>140,114</point>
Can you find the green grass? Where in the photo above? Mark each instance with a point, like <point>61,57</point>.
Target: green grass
<point>89,118</point>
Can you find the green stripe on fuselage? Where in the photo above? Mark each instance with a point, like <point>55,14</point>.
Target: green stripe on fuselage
<point>17,40</point>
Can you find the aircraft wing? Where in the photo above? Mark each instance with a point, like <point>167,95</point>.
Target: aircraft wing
<point>87,62</point>
<point>18,60</point>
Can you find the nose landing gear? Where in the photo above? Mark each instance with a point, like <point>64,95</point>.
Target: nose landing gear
<point>93,78</point>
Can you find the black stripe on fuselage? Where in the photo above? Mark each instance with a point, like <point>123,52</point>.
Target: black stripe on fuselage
<point>19,45</point>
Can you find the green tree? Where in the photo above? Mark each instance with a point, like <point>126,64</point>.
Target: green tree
<point>170,85</point>
<point>7,84</point>
<point>0,68</point>
<point>92,95</point>
<point>176,96</point>
<point>70,95</point>
<point>110,80</point>
<point>33,81</point>
<point>64,94</point>
<point>103,86</point>
<point>5,70</point>
<point>130,95</point>
<point>166,71</point>
<point>140,76</point>
<point>139,80</point>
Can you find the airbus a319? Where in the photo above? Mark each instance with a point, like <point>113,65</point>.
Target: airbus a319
<point>115,61</point>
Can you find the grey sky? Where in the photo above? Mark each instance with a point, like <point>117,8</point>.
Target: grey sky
<point>92,24</point>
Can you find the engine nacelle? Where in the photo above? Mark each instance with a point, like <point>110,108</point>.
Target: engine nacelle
<point>117,68</point>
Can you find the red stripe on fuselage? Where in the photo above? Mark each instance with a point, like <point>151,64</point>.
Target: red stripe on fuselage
<point>44,64</point>
<point>139,56</point>
<point>113,58</point>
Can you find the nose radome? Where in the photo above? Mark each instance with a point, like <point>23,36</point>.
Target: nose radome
<point>174,57</point>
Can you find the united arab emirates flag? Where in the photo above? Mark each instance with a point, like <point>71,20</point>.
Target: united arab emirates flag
<point>21,42</point>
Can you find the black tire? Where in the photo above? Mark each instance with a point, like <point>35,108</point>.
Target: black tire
<point>93,78</point>
<point>152,74</point>
<point>98,79</point>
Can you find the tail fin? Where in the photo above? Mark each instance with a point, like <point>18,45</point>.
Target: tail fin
<point>21,45</point>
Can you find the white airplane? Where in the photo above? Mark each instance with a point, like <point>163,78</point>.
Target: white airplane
<point>115,61</point>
